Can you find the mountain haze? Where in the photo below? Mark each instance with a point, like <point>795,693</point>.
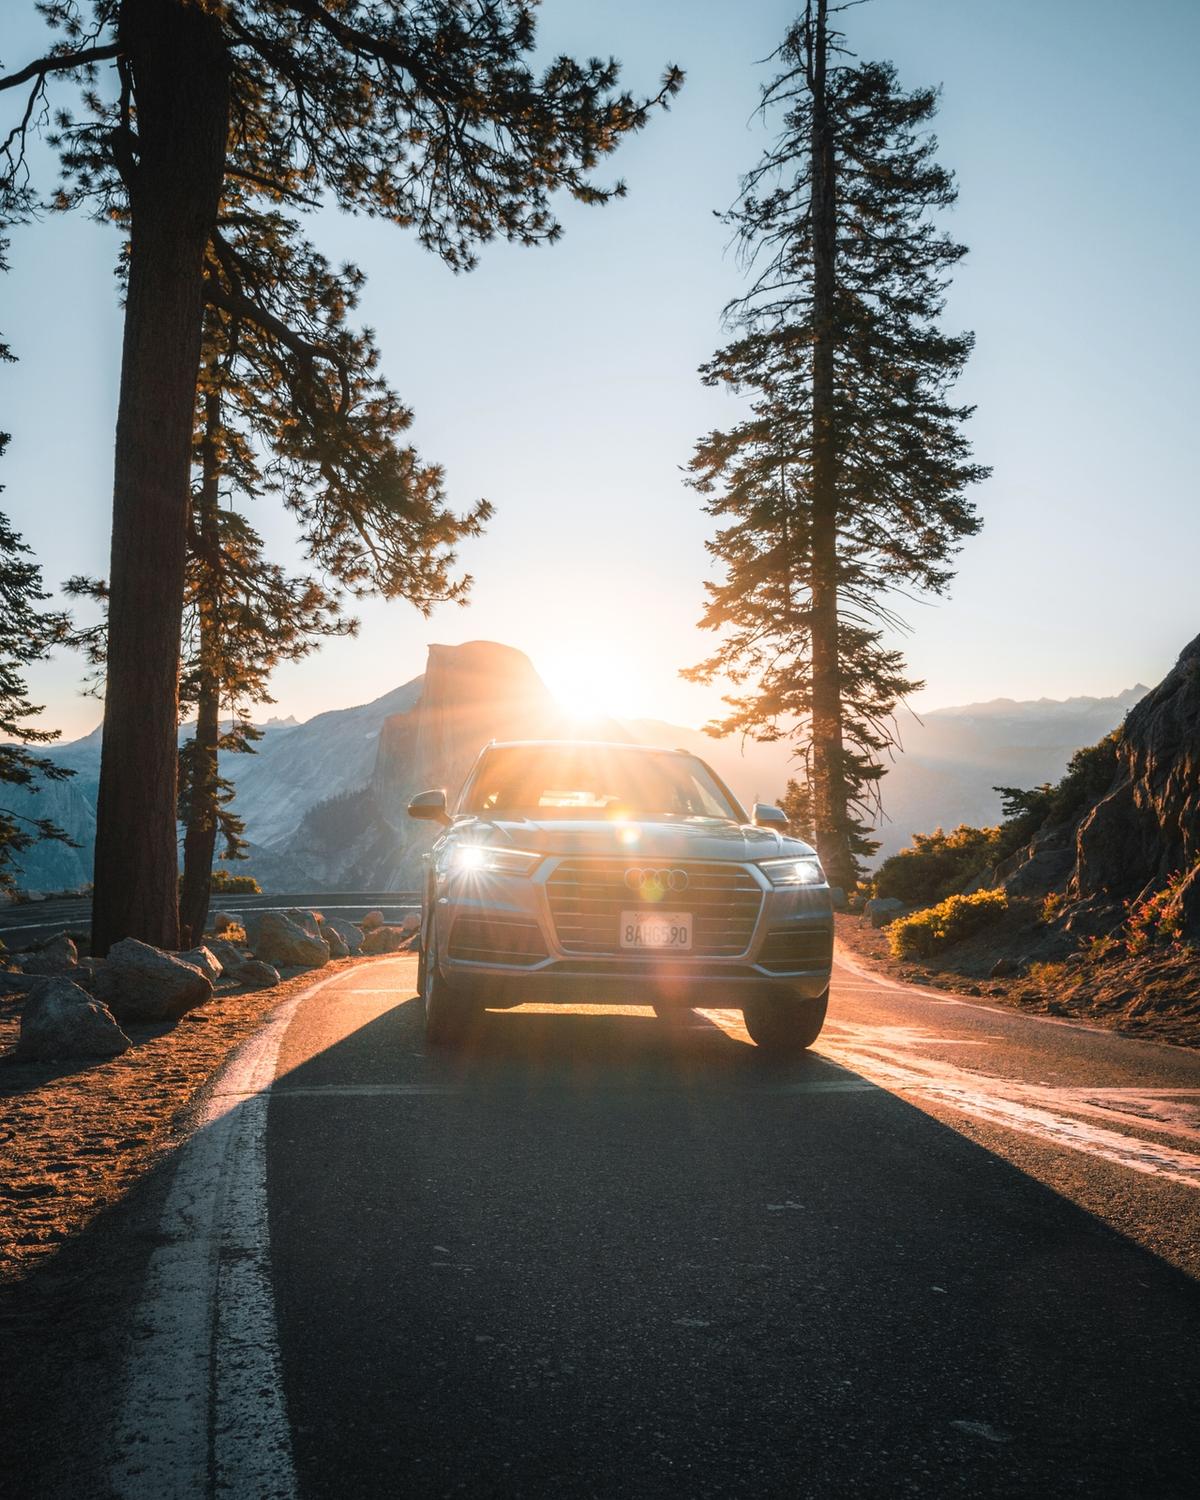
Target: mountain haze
<point>324,801</point>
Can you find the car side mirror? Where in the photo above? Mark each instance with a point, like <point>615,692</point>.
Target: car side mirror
<point>768,816</point>
<point>431,806</point>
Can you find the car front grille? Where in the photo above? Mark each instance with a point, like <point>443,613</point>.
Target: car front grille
<point>786,949</point>
<point>496,940</point>
<point>587,897</point>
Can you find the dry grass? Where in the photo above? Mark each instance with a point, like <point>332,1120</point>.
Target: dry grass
<point>74,1137</point>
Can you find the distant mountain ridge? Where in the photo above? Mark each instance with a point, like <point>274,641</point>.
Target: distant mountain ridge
<point>324,801</point>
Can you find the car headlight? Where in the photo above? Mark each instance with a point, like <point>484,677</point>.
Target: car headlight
<point>483,859</point>
<point>793,871</point>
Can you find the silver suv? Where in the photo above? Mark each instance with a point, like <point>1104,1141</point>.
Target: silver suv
<point>588,873</point>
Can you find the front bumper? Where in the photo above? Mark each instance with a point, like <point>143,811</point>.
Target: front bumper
<point>498,942</point>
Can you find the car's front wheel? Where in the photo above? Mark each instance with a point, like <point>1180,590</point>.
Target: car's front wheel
<point>450,1017</point>
<point>783,1026</point>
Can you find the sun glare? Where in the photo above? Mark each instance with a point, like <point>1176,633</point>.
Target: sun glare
<point>590,683</point>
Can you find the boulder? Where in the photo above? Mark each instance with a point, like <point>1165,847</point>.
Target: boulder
<point>60,1020</point>
<point>337,946</point>
<point>142,983</point>
<point>350,935</point>
<point>385,939</point>
<point>228,955</point>
<point>57,956</point>
<point>1005,968</point>
<point>372,920</point>
<point>14,982</point>
<point>218,921</point>
<point>257,975</point>
<point>277,939</point>
<point>204,959</point>
<point>881,910</point>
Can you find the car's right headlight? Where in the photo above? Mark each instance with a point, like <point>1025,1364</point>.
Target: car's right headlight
<point>793,871</point>
<point>485,859</point>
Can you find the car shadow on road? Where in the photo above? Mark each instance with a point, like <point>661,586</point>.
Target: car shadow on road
<point>597,1253</point>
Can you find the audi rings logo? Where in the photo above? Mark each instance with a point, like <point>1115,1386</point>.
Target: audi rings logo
<point>653,885</point>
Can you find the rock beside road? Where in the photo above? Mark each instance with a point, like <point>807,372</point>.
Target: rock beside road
<point>204,959</point>
<point>372,920</point>
<point>349,933</point>
<point>881,910</point>
<point>386,939</point>
<point>338,948</point>
<point>257,975</point>
<point>58,955</point>
<point>279,939</point>
<point>142,983</point>
<point>60,1021</point>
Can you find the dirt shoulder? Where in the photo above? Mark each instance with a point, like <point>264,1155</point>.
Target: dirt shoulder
<point>1155,995</point>
<point>77,1137</point>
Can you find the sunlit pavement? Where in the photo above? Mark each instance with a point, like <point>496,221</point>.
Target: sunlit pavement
<point>603,1255</point>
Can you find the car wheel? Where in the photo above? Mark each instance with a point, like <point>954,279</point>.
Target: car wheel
<point>449,1017</point>
<point>785,1027</point>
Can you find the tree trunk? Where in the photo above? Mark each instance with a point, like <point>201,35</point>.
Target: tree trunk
<point>200,832</point>
<point>176,59</point>
<point>828,781</point>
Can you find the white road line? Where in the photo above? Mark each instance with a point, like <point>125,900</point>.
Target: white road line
<point>203,1412</point>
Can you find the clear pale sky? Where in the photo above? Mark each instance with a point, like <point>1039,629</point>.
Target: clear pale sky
<point>561,383</point>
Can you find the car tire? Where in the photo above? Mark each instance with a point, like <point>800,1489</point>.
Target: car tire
<point>784,1027</point>
<point>450,1018</point>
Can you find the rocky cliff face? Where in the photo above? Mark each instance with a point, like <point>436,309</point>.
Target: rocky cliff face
<point>470,694</point>
<point>1146,828</point>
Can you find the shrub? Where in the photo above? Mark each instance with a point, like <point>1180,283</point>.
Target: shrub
<point>927,932</point>
<point>937,865</point>
<point>227,884</point>
<point>1053,907</point>
<point>1155,918</point>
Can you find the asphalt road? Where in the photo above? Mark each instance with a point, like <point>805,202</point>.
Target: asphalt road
<point>25,924</point>
<point>953,1252</point>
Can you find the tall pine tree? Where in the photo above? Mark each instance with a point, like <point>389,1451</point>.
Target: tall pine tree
<point>425,112</point>
<point>845,483</point>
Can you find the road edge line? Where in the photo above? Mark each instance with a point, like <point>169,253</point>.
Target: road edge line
<point>205,1320</point>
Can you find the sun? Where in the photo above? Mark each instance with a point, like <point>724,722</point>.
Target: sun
<point>590,682</point>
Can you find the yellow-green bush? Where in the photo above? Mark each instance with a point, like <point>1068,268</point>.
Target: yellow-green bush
<point>927,932</point>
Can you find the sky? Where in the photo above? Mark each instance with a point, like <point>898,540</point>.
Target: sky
<point>561,382</point>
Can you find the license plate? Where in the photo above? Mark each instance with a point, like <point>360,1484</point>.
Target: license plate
<point>659,930</point>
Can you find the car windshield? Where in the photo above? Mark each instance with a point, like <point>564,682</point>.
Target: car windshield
<point>595,781</point>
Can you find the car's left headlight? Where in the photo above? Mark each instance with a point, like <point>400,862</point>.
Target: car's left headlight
<point>793,871</point>
<point>484,859</point>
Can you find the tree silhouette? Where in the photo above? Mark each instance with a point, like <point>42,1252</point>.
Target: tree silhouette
<point>26,635</point>
<point>425,113</point>
<point>844,483</point>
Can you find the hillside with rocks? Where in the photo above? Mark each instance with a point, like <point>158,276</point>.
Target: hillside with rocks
<point>1094,907</point>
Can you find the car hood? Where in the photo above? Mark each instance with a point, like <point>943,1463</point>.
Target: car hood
<point>636,840</point>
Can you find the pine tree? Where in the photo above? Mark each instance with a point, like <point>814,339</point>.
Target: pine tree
<point>844,484</point>
<point>425,113</point>
<point>26,635</point>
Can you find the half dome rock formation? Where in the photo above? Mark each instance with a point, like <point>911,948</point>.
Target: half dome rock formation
<point>470,694</point>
